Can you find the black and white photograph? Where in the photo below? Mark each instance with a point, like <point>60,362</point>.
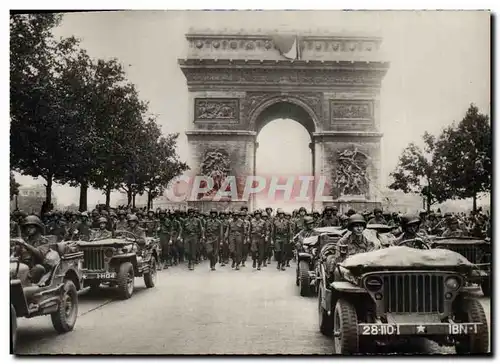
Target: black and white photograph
<point>250,182</point>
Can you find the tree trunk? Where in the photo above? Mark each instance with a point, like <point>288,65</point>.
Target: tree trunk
<point>84,186</point>
<point>48,190</point>
<point>108,196</point>
<point>474,202</point>
<point>133,200</point>
<point>150,201</point>
<point>129,196</point>
<point>428,200</point>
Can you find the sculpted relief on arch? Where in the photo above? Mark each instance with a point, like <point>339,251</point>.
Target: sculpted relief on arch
<point>350,177</point>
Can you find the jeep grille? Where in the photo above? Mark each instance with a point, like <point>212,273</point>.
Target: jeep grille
<point>93,259</point>
<point>472,252</point>
<point>414,292</point>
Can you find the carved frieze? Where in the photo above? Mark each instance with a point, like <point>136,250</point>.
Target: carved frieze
<point>341,110</point>
<point>350,177</point>
<point>281,76</point>
<point>216,109</point>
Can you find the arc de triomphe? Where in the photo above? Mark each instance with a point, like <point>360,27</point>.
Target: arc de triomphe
<point>238,83</point>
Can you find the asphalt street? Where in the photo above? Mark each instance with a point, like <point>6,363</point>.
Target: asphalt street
<point>198,312</point>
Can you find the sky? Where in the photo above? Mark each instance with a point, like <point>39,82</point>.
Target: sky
<point>439,64</point>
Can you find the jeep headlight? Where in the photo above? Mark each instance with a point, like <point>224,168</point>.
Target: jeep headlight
<point>452,283</point>
<point>109,253</point>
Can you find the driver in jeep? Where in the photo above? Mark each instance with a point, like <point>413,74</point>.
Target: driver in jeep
<point>34,252</point>
<point>410,226</point>
<point>306,231</point>
<point>355,240</point>
<point>134,228</point>
<point>102,233</point>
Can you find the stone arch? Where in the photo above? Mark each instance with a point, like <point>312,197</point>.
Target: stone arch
<point>286,107</point>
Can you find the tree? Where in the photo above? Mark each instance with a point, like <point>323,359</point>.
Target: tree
<point>14,186</point>
<point>465,152</point>
<point>39,129</point>
<point>418,171</point>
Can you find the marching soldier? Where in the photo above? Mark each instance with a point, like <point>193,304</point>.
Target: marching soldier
<point>177,243</point>
<point>246,240</point>
<point>213,236</point>
<point>165,232</point>
<point>299,221</point>
<point>224,245</point>
<point>151,224</point>
<point>236,234</point>
<point>268,247</point>
<point>122,223</point>
<point>378,218</point>
<point>192,230</point>
<point>102,232</point>
<point>258,234</point>
<point>330,217</point>
<point>281,234</point>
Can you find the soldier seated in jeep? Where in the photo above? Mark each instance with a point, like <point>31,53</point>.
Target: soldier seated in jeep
<point>33,252</point>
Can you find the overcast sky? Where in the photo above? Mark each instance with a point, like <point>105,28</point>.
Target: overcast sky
<point>440,63</point>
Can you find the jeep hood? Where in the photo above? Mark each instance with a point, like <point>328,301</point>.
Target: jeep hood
<point>104,242</point>
<point>459,241</point>
<point>405,257</point>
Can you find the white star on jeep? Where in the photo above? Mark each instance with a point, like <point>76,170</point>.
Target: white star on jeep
<point>84,276</point>
<point>420,329</point>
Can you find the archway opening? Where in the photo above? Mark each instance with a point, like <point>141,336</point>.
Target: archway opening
<point>284,154</point>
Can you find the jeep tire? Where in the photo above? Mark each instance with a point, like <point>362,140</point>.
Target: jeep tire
<point>325,322</point>
<point>13,329</point>
<point>345,328</point>
<point>304,278</point>
<point>150,277</point>
<point>64,318</point>
<point>472,311</point>
<point>125,280</point>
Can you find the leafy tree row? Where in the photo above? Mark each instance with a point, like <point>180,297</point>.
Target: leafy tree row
<point>79,121</point>
<point>455,164</point>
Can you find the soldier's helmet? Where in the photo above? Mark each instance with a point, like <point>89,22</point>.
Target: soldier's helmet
<point>302,209</point>
<point>151,212</point>
<point>269,208</point>
<point>351,212</point>
<point>33,220</point>
<point>95,212</point>
<point>328,208</point>
<point>243,213</point>
<point>162,212</point>
<point>132,217</point>
<point>355,219</point>
<point>257,212</point>
<point>344,217</point>
<point>280,211</point>
<point>104,213</point>
<point>407,220</point>
<point>377,210</point>
<point>190,210</point>
<point>335,208</point>
<point>422,212</point>
<point>308,220</point>
<point>264,214</point>
<point>84,215</point>
<point>102,220</point>
<point>213,210</point>
<point>113,214</point>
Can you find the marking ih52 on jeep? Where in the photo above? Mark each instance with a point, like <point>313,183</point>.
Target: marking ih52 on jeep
<point>118,260</point>
<point>397,293</point>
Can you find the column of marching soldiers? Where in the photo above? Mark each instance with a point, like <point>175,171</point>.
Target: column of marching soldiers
<point>224,237</point>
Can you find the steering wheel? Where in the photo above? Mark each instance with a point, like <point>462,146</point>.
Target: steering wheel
<point>129,235</point>
<point>415,243</point>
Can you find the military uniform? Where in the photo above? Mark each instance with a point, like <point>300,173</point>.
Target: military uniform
<point>259,237</point>
<point>165,233</point>
<point>15,229</point>
<point>281,233</point>
<point>138,232</point>
<point>213,238</point>
<point>121,225</point>
<point>101,234</point>
<point>236,234</point>
<point>356,244</point>
<point>192,231</point>
<point>329,220</point>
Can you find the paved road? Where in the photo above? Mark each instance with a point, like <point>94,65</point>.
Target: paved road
<point>196,312</point>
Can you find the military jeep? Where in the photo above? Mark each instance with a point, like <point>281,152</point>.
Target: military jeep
<point>398,293</point>
<point>306,255</point>
<point>56,294</point>
<point>477,251</point>
<point>117,261</point>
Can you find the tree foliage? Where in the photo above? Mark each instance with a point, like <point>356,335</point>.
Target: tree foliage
<point>79,121</point>
<point>465,152</point>
<point>418,171</point>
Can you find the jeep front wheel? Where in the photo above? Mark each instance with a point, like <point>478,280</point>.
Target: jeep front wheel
<point>345,328</point>
<point>150,277</point>
<point>125,280</point>
<point>304,278</point>
<point>325,322</point>
<point>13,328</point>
<point>64,318</point>
<point>472,311</point>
